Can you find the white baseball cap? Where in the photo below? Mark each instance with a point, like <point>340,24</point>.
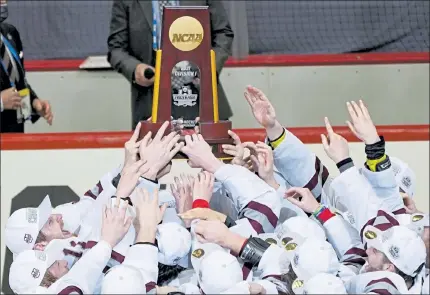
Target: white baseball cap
<point>415,221</point>
<point>405,176</point>
<point>24,225</point>
<point>217,270</point>
<point>124,279</point>
<point>28,269</point>
<point>240,288</point>
<point>402,246</point>
<point>324,283</point>
<point>174,244</point>
<point>300,226</point>
<point>314,256</point>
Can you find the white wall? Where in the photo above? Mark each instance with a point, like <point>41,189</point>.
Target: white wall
<point>81,169</point>
<point>395,94</point>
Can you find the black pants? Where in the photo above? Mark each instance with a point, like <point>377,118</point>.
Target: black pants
<point>12,128</point>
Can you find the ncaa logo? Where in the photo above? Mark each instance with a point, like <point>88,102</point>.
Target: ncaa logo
<point>28,238</point>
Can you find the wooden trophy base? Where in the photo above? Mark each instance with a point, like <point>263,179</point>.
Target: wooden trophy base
<point>215,134</point>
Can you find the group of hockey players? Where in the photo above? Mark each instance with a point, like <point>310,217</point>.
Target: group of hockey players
<point>272,221</point>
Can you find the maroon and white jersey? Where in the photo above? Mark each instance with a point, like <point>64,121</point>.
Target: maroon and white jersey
<point>377,282</point>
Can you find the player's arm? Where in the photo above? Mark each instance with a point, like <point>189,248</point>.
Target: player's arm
<point>257,201</point>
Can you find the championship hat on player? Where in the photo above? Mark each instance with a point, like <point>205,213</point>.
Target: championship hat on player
<point>324,283</point>
<point>314,256</point>
<point>125,279</point>
<point>23,226</point>
<point>301,228</point>
<point>402,246</point>
<point>217,270</point>
<point>28,269</point>
<point>405,176</point>
<point>174,244</point>
<point>416,222</point>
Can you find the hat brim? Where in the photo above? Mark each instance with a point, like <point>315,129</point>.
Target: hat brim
<point>45,211</point>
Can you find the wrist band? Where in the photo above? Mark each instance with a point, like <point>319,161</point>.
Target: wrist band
<point>253,250</point>
<point>376,150</point>
<point>322,214</point>
<point>200,203</point>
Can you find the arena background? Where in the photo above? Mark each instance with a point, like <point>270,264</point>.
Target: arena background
<point>310,57</point>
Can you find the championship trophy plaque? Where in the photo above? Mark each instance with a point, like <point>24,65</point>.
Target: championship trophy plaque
<point>185,82</point>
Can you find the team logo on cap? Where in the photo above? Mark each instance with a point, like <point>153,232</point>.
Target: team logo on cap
<point>35,273</point>
<point>31,215</point>
<point>287,245</point>
<point>394,251</point>
<point>271,241</point>
<point>290,246</point>
<point>40,255</point>
<point>297,284</point>
<point>198,253</point>
<point>406,181</point>
<point>370,235</point>
<point>28,238</point>
<point>417,217</point>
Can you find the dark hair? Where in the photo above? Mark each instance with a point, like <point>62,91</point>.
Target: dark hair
<point>285,284</point>
<point>48,279</point>
<point>167,273</point>
<point>409,280</point>
<point>41,237</point>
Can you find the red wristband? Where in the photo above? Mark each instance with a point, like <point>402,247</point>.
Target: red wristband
<point>200,203</point>
<point>325,215</point>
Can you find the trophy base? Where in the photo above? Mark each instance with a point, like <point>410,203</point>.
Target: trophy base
<point>215,134</point>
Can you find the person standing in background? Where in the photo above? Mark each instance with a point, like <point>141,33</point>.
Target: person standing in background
<point>132,47</point>
<point>18,100</point>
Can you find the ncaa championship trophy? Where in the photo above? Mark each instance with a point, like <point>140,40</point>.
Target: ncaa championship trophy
<point>185,82</point>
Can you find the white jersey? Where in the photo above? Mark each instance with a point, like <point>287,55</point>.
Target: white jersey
<point>255,200</point>
<point>84,276</point>
<point>377,282</point>
<point>90,231</point>
<point>300,167</point>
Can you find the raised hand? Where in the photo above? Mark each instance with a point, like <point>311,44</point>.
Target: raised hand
<point>361,123</point>
<point>335,146</point>
<point>130,177</point>
<point>115,224</point>
<point>182,191</point>
<point>302,198</point>
<point>131,147</point>
<point>159,151</point>
<point>261,107</point>
<point>264,159</point>
<point>200,153</point>
<point>237,151</point>
<point>203,186</point>
<point>148,214</point>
